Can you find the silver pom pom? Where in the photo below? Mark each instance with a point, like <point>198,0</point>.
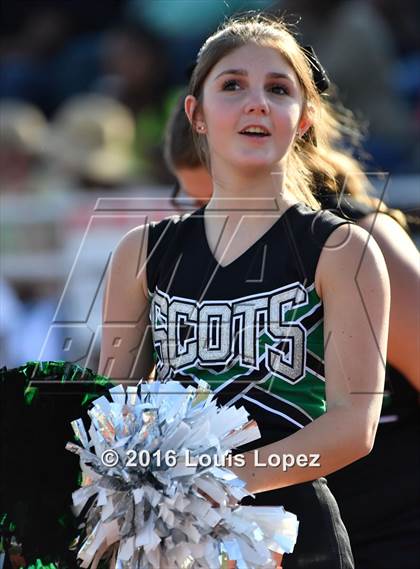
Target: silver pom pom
<point>153,459</point>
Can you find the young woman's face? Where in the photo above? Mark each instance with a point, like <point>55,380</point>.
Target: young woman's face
<point>251,87</point>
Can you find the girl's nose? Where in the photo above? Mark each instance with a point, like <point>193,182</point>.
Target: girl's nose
<point>257,104</point>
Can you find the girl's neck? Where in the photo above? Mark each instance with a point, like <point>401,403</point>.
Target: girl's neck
<point>249,191</point>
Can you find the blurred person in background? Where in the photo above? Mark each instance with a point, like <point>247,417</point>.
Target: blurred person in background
<point>192,178</point>
<point>403,19</point>
<point>50,48</point>
<point>11,322</point>
<point>91,144</point>
<point>88,145</point>
<point>23,129</point>
<point>28,301</point>
<point>30,41</point>
<point>27,311</point>
<point>39,300</point>
<point>134,68</point>
<point>135,72</point>
<point>385,536</point>
<point>357,46</point>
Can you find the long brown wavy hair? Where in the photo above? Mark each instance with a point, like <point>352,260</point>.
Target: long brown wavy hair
<point>321,155</point>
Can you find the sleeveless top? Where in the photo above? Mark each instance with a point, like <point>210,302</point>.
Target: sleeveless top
<point>400,401</point>
<point>253,330</point>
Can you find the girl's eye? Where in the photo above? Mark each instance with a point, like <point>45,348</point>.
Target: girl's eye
<point>230,85</point>
<point>279,89</point>
<point>234,85</point>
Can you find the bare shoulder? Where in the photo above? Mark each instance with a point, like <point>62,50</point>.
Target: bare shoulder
<point>348,252</point>
<point>138,236</point>
<point>382,223</point>
<point>128,260</point>
<point>133,241</point>
<point>389,234</point>
<point>130,255</point>
<point>131,248</point>
<point>125,310</point>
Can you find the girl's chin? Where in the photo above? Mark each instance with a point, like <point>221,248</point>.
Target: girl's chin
<point>254,165</point>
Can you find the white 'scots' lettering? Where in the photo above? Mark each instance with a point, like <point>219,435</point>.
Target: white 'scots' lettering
<point>210,333</point>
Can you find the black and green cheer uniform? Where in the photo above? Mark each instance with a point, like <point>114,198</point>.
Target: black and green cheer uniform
<point>384,535</point>
<point>254,331</point>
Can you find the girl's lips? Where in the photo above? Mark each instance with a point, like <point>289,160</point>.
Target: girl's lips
<point>255,137</point>
<point>252,127</point>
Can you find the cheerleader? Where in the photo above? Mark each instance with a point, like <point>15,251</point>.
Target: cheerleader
<point>387,535</point>
<point>282,308</point>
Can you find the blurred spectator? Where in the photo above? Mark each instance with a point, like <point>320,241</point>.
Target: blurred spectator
<point>190,176</point>
<point>22,132</point>
<point>35,340</point>
<point>404,19</point>
<point>25,322</point>
<point>76,68</point>
<point>26,54</point>
<point>134,64</point>
<point>50,48</point>
<point>137,51</point>
<point>134,67</point>
<point>357,47</point>
<point>150,126</point>
<point>91,143</point>
<point>11,319</point>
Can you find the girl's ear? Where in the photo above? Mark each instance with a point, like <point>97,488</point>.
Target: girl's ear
<point>307,119</point>
<point>305,124</point>
<point>193,113</point>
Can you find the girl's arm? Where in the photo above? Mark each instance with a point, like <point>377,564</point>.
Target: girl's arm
<point>403,263</point>
<point>353,282</point>
<point>126,346</point>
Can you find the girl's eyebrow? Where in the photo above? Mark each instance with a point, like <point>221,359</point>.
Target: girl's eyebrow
<point>244,72</point>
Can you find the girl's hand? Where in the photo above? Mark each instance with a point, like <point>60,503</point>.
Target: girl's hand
<point>231,564</point>
<point>231,502</point>
<point>277,557</point>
